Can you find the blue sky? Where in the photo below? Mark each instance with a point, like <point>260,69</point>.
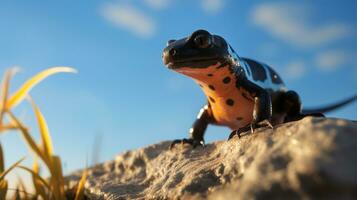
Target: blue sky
<point>124,98</point>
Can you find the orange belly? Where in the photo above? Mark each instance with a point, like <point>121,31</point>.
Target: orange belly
<point>236,115</point>
<point>230,106</point>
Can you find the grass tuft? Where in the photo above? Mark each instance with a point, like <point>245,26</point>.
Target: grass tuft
<point>52,188</point>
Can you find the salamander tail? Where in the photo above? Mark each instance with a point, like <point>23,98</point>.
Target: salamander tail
<point>331,107</point>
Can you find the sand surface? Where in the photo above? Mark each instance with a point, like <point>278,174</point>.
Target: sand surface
<point>310,158</point>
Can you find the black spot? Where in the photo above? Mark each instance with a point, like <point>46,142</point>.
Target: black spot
<point>209,74</point>
<point>230,102</point>
<point>211,87</point>
<point>239,118</point>
<point>275,78</point>
<point>212,99</point>
<point>257,69</point>
<point>226,80</point>
<point>200,85</point>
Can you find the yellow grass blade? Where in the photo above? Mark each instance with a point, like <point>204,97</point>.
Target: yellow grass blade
<point>36,176</point>
<point>17,195</point>
<point>7,127</point>
<point>25,195</point>
<point>3,189</point>
<point>20,94</point>
<point>35,167</point>
<point>29,140</point>
<point>2,160</point>
<point>6,84</point>
<point>2,175</point>
<point>5,90</point>
<point>81,184</point>
<point>45,134</point>
<point>40,184</point>
<point>57,178</point>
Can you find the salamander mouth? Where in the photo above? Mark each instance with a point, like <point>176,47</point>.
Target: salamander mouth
<point>195,63</point>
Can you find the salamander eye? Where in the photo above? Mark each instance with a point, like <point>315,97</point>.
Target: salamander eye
<point>203,41</point>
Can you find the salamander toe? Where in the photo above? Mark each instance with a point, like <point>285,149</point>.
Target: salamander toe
<point>194,143</point>
<point>251,128</point>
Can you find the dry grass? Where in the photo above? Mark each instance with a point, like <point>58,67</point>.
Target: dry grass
<point>53,187</point>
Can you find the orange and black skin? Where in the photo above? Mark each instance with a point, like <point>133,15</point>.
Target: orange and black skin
<point>242,93</point>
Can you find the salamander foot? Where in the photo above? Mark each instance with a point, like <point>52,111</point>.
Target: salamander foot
<point>194,143</point>
<point>251,127</point>
<point>239,131</point>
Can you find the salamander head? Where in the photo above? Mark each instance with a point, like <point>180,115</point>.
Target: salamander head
<point>197,53</point>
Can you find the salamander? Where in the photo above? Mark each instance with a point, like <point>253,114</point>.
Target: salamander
<point>242,93</point>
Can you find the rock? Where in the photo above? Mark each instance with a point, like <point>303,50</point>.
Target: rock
<point>308,159</point>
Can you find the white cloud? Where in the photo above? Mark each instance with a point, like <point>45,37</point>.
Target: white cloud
<point>290,22</point>
<point>129,18</point>
<point>158,4</point>
<point>332,59</point>
<point>295,69</point>
<point>212,6</point>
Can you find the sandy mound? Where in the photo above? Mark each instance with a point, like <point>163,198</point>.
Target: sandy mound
<point>311,158</point>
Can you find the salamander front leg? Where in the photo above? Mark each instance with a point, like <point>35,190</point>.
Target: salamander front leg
<point>197,131</point>
<point>262,114</point>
